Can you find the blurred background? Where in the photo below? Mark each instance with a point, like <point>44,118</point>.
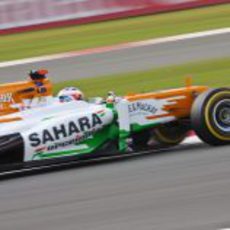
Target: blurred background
<point>91,43</point>
<point>125,46</point>
<point>15,14</point>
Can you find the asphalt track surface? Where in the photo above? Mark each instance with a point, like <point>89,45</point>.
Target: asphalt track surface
<point>127,60</point>
<point>187,188</point>
<point>182,189</point>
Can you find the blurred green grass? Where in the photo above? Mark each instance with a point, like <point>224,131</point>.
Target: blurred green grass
<point>52,41</point>
<point>214,73</point>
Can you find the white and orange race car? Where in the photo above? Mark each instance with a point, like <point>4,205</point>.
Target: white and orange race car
<point>82,129</point>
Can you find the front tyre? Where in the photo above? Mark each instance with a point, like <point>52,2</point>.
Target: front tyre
<point>210,116</point>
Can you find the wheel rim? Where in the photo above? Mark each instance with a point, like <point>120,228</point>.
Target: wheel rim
<point>221,115</point>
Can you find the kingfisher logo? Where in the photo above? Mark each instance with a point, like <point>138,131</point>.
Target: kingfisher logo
<point>43,151</point>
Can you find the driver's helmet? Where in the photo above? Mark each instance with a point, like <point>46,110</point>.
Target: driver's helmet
<point>70,94</point>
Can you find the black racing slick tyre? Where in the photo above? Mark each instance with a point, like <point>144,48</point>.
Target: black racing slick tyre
<point>11,149</point>
<point>210,116</point>
<point>171,134</point>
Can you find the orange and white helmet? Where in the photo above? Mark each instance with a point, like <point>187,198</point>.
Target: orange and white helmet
<point>70,94</point>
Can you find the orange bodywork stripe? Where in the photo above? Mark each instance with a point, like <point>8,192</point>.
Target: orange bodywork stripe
<point>5,120</point>
<point>183,98</point>
<point>156,116</point>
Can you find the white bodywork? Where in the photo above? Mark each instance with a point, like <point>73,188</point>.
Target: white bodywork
<point>56,124</point>
<point>67,128</point>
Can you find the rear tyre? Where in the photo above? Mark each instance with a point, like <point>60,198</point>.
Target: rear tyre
<point>210,116</point>
<point>170,134</point>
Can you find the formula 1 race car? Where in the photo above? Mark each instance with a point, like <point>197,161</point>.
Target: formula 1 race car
<point>131,123</point>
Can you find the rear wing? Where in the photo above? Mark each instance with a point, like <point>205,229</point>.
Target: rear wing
<point>18,96</point>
